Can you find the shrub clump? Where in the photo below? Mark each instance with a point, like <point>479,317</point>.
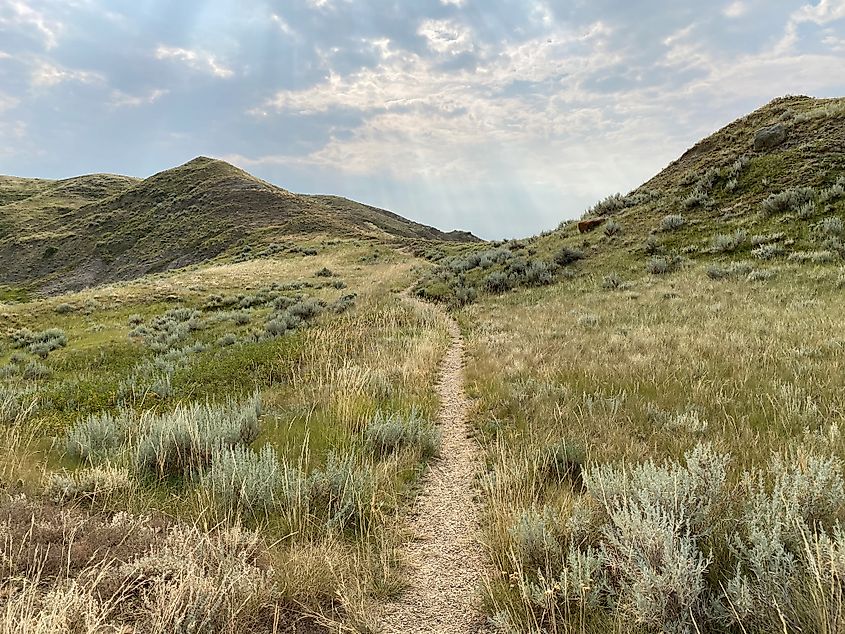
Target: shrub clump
<point>728,242</point>
<point>388,433</point>
<point>180,442</point>
<point>243,479</point>
<point>39,343</point>
<point>672,222</point>
<point>788,200</point>
<point>660,265</point>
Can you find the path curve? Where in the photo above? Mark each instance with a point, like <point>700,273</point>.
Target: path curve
<point>445,558</point>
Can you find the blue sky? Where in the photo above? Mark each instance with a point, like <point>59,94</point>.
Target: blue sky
<point>498,116</point>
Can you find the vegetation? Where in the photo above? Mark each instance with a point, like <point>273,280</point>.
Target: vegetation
<point>235,445</point>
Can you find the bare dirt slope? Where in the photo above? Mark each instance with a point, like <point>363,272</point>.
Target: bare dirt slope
<point>446,557</point>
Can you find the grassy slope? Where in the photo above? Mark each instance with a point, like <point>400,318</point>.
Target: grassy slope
<point>580,371</point>
<point>70,234</point>
<point>320,386</point>
<point>614,365</point>
<point>810,157</point>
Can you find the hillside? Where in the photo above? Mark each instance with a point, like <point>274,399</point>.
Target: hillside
<point>766,189</point>
<point>629,424</point>
<point>68,234</point>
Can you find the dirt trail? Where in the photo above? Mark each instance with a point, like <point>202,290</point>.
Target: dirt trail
<point>445,558</point>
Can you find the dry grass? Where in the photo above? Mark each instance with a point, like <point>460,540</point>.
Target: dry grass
<point>322,565</point>
<point>754,370</point>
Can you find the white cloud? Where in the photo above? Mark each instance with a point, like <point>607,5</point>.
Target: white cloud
<point>17,14</point>
<point>735,9</point>
<point>11,135</point>
<point>834,43</point>
<point>555,129</point>
<point>825,12</point>
<point>8,102</point>
<point>45,74</point>
<point>446,36</point>
<point>282,24</point>
<point>201,61</point>
<point>120,99</point>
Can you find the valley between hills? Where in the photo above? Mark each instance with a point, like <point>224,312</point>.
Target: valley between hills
<point>231,408</point>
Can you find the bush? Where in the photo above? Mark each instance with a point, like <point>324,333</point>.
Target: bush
<point>567,256</point>
<point>537,273</point>
<point>612,282</point>
<point>698,198</point>
<point>768,251</point>
<point>181,441</point>
<point>387,434</point>
<point>612,228</point>
<point>306,309</point>
<point>788,200</point>
<point>608,206</point>
<point>663,265</point>
<point>652,246</point>
<point>39,343</point>
<point>64,309</point>
<point>90,485</point>
<point>497,282</point>
<point>834,192</point>
<point>535,539</point>
<point>342,492</point>
<point>465,294</point>
<point>812,257</point>
<point>98,437</point>
<point>672,222</point>
<point>17,403</point>
<point>324,272</point>
<point>226,340</point>
<point>35,371</point>
<point>832,226</point>
<point>241,479</point>
<point>728,242</point>
<point>736,269</point>
<point>563,462</point>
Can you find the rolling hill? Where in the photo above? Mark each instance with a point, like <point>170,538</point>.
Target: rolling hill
<point>78,232</point>
<point>768,188</point>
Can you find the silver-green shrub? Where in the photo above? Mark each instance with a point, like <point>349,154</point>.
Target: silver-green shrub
<point>181,441</point>
<point>672,222</point>
<point>728,242</point>
<point>243,479</point>
<point>99,436</point>
<point>787,200</point>
<point>342,492</point>
<point>388,433</point>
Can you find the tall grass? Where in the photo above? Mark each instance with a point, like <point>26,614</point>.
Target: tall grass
<point>710,497</point>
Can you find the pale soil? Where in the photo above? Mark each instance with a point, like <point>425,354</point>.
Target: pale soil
<point>445,559</point>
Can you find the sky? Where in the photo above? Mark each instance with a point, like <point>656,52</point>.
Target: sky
<point>502,117</point>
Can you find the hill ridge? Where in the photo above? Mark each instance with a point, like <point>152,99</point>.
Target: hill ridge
<point>58,235</point>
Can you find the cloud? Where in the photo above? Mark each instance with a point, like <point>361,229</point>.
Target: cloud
<point>12,133</point>
<point>45,74</point>
<point>7,102</point>
<point>282,24</point>
<point>736,9</point>
<point>825,12</point>
<point>120,99</point>
<point>16,14</point>
<point>200,61</point>
<point>447,37</point>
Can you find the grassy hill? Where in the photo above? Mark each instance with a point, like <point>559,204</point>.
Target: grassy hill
<point>236,446</point>
<point>724,201</point>
<point>68,234</point>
